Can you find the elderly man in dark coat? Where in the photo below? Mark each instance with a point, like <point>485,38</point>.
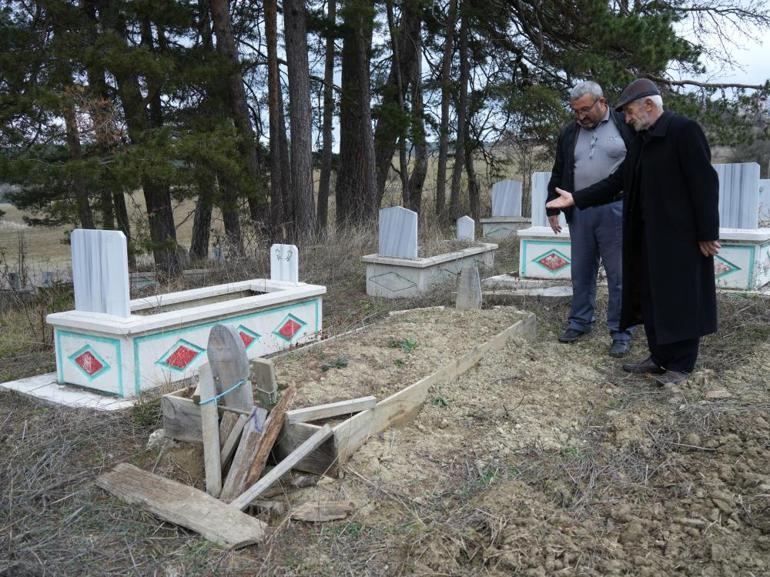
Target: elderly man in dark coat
<point>670,231</point>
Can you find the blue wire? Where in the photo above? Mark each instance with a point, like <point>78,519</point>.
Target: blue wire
<point>223,393</point>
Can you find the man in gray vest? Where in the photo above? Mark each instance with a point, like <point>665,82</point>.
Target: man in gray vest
<point>588,150</point>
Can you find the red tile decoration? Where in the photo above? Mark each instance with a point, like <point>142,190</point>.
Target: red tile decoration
<point>720,268</point>
<point>552,261</point>
<point>89,363</point>
<point>246,338</point>
<point>181,357</point>
<point>289,329</point>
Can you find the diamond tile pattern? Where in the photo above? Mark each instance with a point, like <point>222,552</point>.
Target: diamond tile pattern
<point>289,327</point>
<point>89,363</point>
<point>552,260</point>
<point>723,267</point>
<point>180,355</point>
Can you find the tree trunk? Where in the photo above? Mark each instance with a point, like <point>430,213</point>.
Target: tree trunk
<point>328,119</point>
<point>473,183</point>
<point>446,70</point>
<point>462,114</point>
<point>356,183</point>
<point>85,216</point>
<point>389,127</point>
<point>199,246</point>
<point>301,117</point>
<point>287,198</point>
<point>277,208</point>
<point>413,197</point>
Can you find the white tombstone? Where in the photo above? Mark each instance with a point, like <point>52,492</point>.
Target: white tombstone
<point>506,198</point>
<point>469,289</point>
<point>466,228</point>
<point>764,200</point>
<point>100,271</point>
<point>284,263</point>
<point>738,195</point>
<point>398,233</point>
<point>539,195</point>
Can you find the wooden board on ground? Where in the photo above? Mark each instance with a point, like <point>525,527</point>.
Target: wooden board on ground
<point>183,505</point>
<point>226,425</point>
<point>210,432</point>
<point>229,366</point>
<point>245,499</point>
<point>231,443</point>
<point>321,511</point>
<point>330,410</point>
<point>322,461</point>
<point>235,482</point>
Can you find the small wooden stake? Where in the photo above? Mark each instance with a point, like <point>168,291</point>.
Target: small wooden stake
<point>210,430</point>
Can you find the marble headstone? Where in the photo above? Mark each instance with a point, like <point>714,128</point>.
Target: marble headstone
<point>469,289</point>
<point>738,195</point>
<point>284,263</point>
<point>466,228</point>
<point>100,271</point>
<point>539,196</point>
<point>398,233</point>
<point>506,198</point>
<point>764,200</point>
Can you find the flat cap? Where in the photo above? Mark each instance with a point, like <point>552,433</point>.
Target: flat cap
<point>639,88</point>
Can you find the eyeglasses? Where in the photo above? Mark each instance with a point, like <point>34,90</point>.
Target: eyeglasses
<point>585,109</point>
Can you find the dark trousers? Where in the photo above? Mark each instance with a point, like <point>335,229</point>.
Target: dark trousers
<point>677,356</point>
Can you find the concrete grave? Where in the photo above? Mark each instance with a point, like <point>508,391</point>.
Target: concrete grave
<point>506,216</point>
<point>163,338</point>
<point>738,195</point>
<point>397,233</point>
<point>543,254</point>
<point>284,263</point>
<point>466,228</point>
<point>764,202</point>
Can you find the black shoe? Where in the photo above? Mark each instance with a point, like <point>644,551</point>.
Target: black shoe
<point>619,349</point>
<point>643,367</point>
<point>571,335</point>
<point>671,378</point>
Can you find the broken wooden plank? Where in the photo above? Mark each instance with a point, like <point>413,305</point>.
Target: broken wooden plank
<point>210,432</point>
<point>230,366</point>
<point>231,443</point>
<point>183,505</point>
<point>182,417</point>
<point>330,410</point>
<point>245,499</point>
<point>321,511</point>
<point>262,374</point>
<point>226,425</point>
<point>322,461</point>
<point>400,406</point>
<point>273,427</point>
<point>248,446</point>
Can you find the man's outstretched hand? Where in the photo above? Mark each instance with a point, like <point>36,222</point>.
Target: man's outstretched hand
<point>565,200</point>
<point>708,247</point>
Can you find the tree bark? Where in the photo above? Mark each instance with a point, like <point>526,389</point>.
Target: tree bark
<point>328,120</point>
<point>85,216</point>
<point>199,246</point>
<point>389,129</point>
<point>295,32</point>
<point>277,208</point>
<point>446,70</point>
<point>356,182</point>
<point>413,196</point>
<point>462,114</point>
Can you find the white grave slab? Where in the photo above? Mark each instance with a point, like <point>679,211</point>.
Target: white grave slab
<point>738,195</point>
<point>466,228</point>
<point>506,198</point>
<point>398,233</point>
<point>100,271</point>
<point>539,195</point>
<point>284,263</point>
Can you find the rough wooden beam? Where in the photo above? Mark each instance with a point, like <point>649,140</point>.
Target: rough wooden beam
<point>273,427</point>
<point>322,461</point>
<point>231,443</point>
<point>226,424</point>
<point>235,481</point>
<point>183,505</point>
<point>282,468</point>
<point>330,410</point>
<point>210,432</point>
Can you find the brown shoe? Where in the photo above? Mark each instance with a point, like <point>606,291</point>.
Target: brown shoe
<point>671,378</point>
<point>644,367</point>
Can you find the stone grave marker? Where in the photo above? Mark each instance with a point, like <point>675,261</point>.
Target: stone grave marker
<point>398,233</point>
<point>764,200</point>
<point>284,263</point>
<point>469,289</point>
<point>539,195</point>
<point>738,195</point>
<point>506,198</point>
<point>100,271</point>
<point>466,228</point>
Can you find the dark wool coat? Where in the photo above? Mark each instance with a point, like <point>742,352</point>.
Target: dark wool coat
<point>671,203</point>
